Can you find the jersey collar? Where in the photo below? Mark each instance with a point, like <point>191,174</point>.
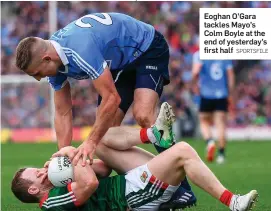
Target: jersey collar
<point>43,199</point>
<point>60,52</point>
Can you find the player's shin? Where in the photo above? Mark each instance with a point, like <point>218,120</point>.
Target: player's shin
<point>202,176</point>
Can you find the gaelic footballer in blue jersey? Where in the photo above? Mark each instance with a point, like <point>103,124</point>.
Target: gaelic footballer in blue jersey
<point>216,85</point>
<point>103,47</point>
<point>126,59</point>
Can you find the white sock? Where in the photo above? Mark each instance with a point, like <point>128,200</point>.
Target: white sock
<point>151,136</point>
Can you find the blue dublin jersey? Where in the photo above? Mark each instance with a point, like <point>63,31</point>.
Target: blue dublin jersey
<point>86,46</point>
<point>213,79</point>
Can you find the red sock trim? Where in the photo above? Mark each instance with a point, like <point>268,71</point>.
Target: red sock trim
<point>226,197</point>
<point>143,136</point>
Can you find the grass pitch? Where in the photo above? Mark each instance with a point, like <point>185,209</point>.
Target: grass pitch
<point>248,167</point>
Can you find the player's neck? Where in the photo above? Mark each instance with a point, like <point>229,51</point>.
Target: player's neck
<point>45,191</point>
<point>58,62</point>
<point>53,51</point>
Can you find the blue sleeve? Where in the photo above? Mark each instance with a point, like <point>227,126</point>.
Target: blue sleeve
<point>196,59</point>
<point>57,82</point>
<point>87,55</point>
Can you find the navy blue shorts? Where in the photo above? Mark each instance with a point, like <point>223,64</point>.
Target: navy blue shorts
<point>150,71</point>
<point>212,105</point>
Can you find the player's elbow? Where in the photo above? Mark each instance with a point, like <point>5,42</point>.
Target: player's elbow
<point>115,99</point>
<point>100,168</point>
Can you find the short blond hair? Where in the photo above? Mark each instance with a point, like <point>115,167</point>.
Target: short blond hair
<point>24,54</point>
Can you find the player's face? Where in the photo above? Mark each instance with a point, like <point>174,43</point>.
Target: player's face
<point>45,68</point>
<point>39,176</point>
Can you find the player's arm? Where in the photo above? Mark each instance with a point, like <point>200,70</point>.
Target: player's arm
<point>105,86</point>
<point>85,182</point>
<point>98,166</point>
<point>95,66</point>
<point>231,86</point>
<point>231,80</point>
<point>196,68</point>
<point>195,71</point>
<point>63,116</point>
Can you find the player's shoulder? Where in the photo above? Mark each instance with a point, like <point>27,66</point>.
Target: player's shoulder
<point>56,197</point>
<point>228,64</point>
<point>71,35</point>
<point>119,16</point>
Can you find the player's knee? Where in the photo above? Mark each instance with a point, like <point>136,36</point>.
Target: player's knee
<point>102,151</point>
<point>143,119</point>
<point>185,151</point>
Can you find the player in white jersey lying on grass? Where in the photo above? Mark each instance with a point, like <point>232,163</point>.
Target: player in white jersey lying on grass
<point>147,181</point>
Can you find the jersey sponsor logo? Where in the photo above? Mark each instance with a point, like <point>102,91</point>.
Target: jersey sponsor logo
<point>151,67</point>
<point>144,176</point>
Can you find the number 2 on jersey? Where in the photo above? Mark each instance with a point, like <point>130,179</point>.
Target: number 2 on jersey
<point>105,21</point>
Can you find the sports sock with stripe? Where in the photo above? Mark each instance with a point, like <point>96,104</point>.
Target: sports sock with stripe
<point>225,198</point>
<point>146,136</point>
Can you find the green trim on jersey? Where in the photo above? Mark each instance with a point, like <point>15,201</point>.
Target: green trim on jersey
<point>110,195</point>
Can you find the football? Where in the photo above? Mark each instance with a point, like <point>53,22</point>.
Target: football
<point>60,171</point>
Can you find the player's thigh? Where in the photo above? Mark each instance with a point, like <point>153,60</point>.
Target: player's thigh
<point>145,106</point>
<point>151,75</point>
<point>123,161</point>
<point>206,110</point>
<point>125,84</point>
<point>144,191</point>
<point>149,88</point>
<point>206,118</point>
<point>168,166</point>
<point>220,114</point>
